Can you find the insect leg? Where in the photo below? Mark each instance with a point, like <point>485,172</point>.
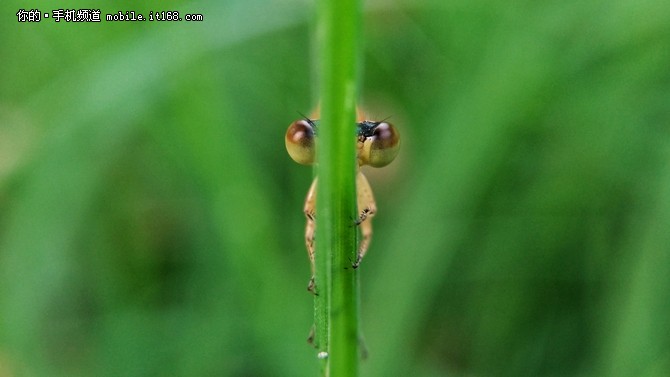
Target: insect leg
<point>309,209</point>
<point>367,209</point>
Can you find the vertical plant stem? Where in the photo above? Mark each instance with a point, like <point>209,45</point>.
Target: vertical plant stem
<point>336,280</point>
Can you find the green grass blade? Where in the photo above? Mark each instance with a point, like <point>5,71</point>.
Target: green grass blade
<point>336,205</point>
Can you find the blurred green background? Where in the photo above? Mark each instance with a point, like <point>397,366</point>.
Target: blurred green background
<point>150,217</point>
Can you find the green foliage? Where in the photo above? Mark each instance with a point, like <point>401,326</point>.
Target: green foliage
<point>150,218</point>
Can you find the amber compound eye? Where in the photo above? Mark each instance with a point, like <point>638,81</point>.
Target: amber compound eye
<point>300,139</point>
<point>382,147</point>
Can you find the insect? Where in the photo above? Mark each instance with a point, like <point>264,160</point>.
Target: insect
<point>377,144</point>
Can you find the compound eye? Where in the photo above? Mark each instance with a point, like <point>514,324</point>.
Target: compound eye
<point>300,142</point>
<point>384,145</point>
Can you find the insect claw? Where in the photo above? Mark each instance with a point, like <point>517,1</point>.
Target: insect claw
<point>363,215</point>
<point>311,286</point>
<point>357,263</point>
